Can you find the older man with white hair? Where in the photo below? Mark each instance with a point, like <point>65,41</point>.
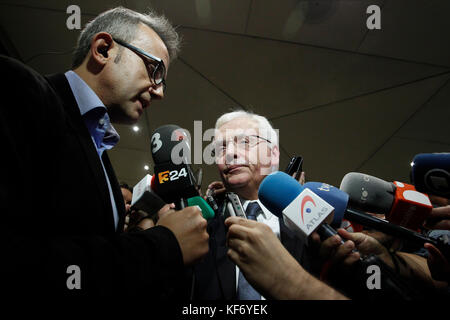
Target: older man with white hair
<point>246,151</point>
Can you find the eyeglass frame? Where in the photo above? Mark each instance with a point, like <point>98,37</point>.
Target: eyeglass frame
<point>139,51</point>
<point>235,143</point>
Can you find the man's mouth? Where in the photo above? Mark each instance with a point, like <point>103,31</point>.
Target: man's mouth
<point>232,168</point>
<point>144,102</point>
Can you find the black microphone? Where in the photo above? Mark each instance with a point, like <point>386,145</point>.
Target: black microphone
<point>174,178</point>
<point>430,173</point>
<point>144,198</point>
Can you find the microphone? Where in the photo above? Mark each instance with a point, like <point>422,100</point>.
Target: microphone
<point>174,179</point>
<point>430,173</point>
<point>337,198</point>
<point>279,190</point>
<point>301,209</point>
<point>401,203</point>
<point>144,198</point>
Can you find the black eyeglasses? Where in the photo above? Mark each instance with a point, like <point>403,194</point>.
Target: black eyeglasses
<point>157,71</point>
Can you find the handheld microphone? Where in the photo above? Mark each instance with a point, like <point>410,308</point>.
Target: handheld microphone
<point>430,173</point>
<point>337,198</point>
<point>174,179</point>
<point>400,202</point>
<point>301,209</point>
<point>144,198</point>
<point>278,192</point>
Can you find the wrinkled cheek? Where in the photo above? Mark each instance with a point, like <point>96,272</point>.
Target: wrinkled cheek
<point>264,161</point>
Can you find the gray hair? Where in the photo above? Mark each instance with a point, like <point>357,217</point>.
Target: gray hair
<point>122,23</point>
<point>262,122</point>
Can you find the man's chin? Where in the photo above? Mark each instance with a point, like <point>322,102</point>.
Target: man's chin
<point>236,181</point>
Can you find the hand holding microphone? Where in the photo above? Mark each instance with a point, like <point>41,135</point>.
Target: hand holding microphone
<point>189,227</point>
<point>344,255</point>
<point>268,266</point>
<point>175,182</point>
<point>439,219</point>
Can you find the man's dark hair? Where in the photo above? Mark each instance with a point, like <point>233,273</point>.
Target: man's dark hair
<point>122,23</point>
<point>126,186</point>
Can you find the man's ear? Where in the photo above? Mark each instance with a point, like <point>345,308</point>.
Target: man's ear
<point>101,45</point>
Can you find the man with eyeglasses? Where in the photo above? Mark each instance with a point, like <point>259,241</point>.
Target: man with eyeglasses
<point>63,230</point>
<point>246,151</point>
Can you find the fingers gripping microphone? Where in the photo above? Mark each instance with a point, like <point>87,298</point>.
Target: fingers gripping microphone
<point>430,173</point>
<point>280,191</point>
<point>337,198</point>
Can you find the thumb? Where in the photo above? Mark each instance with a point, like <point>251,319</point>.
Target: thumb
<point>356,237</point>
<point>162,213</point>
<point>435,253</point>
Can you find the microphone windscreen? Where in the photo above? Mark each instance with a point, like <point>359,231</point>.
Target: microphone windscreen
<point>207,211</point>
<point>368,193</point>
<point>149,202</point>
<point>430,173</point>
<point>335,197</point>
<point>169,142</point>
<point>277,191</point>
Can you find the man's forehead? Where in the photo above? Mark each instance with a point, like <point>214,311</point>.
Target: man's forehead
<point>239,125</point>
<point>227,133</point>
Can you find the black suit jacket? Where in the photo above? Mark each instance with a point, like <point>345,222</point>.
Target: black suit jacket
<point>215,275</point>
<point>55,204</point>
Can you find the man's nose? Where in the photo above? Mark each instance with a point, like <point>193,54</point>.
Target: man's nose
<point>157,91</point>
<point>231,152</point>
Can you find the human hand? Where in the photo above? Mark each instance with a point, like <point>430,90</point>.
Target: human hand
<point>268,266</point>
<point>439,266</point>
<point>189,227</point>
<point>439,218</point>
<point>260,255</point>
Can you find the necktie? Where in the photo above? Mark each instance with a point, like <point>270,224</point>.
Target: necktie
<point>245,290</point>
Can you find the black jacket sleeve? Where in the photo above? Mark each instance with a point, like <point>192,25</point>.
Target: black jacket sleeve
<point>51,217</point>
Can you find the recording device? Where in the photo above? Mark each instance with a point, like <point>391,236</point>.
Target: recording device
<point>144,198</point>
<point>400,202</point>
<point>301,209</point>
<point>198,201</point>
<point>174,180</point>
<point>199,178</point>
<point>278,191</point>
<point>211,199</point>
<point>337,198</point>
<point>295,166</point>
<point>430,173</point>
<point>234,206</point>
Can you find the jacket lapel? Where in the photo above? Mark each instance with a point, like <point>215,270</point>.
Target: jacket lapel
<point>62,88</point>
<point>117,193</point>
<point>226,269</point>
